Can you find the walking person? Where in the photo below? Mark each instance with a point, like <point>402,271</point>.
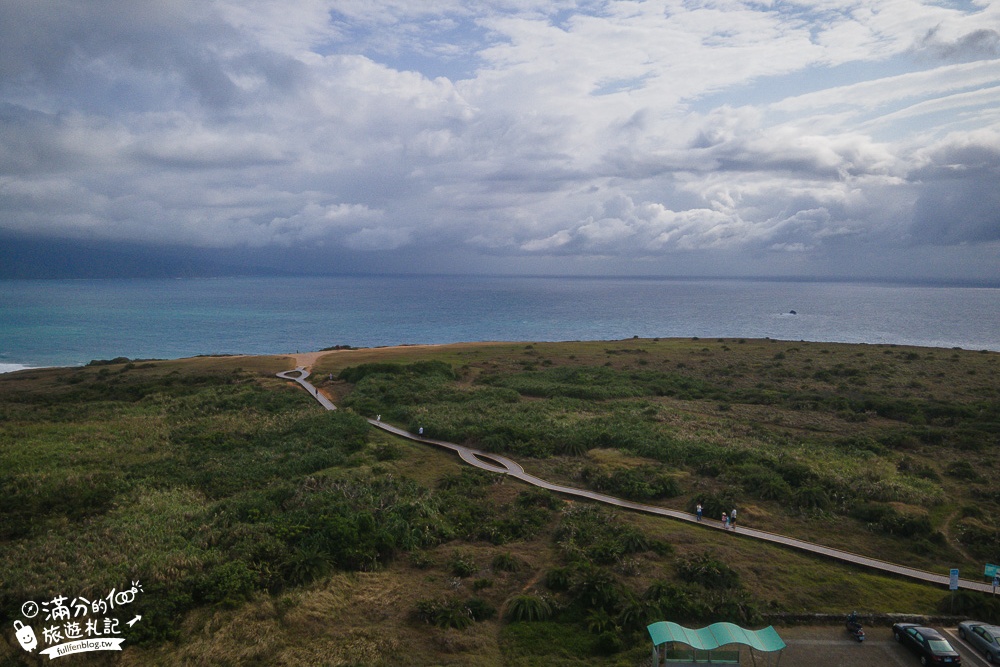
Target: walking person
<point>725,520</point>
<point>732,519</point>
<point>697,511</point>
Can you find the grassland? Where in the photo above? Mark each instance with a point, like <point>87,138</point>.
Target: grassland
<point>266,531</point>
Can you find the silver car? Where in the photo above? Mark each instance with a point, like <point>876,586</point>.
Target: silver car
<point>983,636</point>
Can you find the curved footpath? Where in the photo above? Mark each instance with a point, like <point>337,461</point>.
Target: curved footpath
<point>501,464</point>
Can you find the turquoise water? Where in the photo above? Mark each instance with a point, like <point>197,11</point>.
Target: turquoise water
<point>70,322</point>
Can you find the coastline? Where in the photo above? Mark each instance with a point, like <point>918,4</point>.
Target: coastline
<point>13,368</point>
<point>303,359</point>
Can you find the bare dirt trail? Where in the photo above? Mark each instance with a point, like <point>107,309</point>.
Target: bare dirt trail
<point>307,359</point>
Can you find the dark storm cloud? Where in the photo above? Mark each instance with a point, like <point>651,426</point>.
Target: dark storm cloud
<point>959,201</point>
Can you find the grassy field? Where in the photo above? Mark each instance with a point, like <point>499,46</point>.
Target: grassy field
<point>267,531</point>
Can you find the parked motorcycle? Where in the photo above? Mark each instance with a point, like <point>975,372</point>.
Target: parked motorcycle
<point>854,626</point>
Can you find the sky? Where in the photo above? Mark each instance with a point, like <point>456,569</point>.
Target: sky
<point>823,138</point>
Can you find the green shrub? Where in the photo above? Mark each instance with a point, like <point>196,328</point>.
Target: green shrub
<point>462,565</point>
<point>573,447</point>
<point>707,570</point>
<point>608,643</point>
<point>713,504</point>
<point>642,483</point>
<point>229,584</point>
<point>535,497</point>
<point>681,603</point>
<point>594,586</point>
<point>387,452</point>
<point>421,560</point>
<point>812,497</point>
<point>734,605</point>
<point>795,473</point>
<point>964,470</point>
<point>638,613</point>
<point>884,518</point>
<point>600,621</point>
<point>480,584</point>
<point>356,374</point>
<point>971,511</point>
<point>506,562</point>
<point>445,614</point>
<point>306,564</point>
<point>480,609</point>
<point>909,466</point>
<point>590,533</point>
<point>558,579</point>
<point>981,539</point>
<point>971,604</point>
<point>759,481</point>
<point>160,607</point>
<point>527,608</point>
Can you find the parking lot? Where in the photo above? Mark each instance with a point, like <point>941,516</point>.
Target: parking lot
<point>814,646</point>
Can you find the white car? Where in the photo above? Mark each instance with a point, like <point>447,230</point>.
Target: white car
<point>983,636</point>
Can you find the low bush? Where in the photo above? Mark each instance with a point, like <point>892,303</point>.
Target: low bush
<point>759,481</point>
<point>963,470</point>
<point>527,608</point>
<point>506,562</point>
<point>971,604</point>
<point>641,483</point>
<point>812,497</point>
<point>445,613</point>
<point>706,570</point>
<point>356,374</point>
<point>980,538</point>
<point>558,579</point>
<point>591,534</point>
<point>713,505</point>
<point>462,565</point>
<point>884,518</point>
<point>229,584</point>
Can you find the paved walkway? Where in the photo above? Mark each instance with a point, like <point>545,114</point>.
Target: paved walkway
<point>501,464</point>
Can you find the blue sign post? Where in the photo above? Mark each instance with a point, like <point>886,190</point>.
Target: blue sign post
<point>953,586</point>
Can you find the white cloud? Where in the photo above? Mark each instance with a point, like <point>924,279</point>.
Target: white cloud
<point>611,128</point>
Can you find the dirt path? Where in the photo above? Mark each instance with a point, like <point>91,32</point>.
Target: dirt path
<point>952,542</point>
<point>306,359</point>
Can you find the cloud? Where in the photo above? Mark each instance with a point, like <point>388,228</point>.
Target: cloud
<point>978,44</point>
<point>959,202</point>
<point>607,130</point>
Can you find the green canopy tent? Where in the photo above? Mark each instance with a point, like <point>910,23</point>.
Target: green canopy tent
<point>705,643</point>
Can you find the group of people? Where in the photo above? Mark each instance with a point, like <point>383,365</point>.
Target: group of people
<point>728,520</point>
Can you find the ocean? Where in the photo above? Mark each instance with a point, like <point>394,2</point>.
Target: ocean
<point>71,322</point>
